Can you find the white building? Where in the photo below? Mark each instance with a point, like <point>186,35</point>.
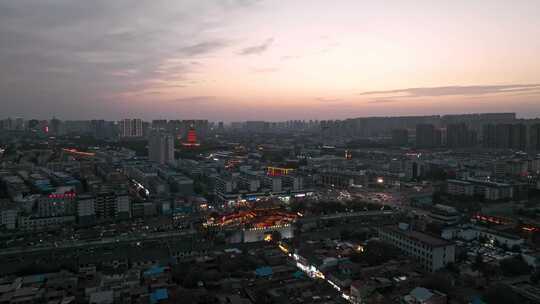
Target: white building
<point>491,191</point>
<point>112,205</point>
<point>431,252</point>
<point>123,206</point>
<point>31,223</point>
<point>86,210</point>
<point>470,232</point>
<point>161,148</point>
<point>131,128</point>
<point>421,295</point>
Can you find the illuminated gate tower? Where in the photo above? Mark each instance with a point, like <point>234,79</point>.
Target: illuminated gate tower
<point>191,138</point>
<point>278,171</point>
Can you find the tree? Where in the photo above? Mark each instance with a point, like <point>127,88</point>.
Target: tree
<point>514,267</point>
<point>462,255</point>
<point>516,248</point>
<point>439,281</point>
<point>180,271</point>
<point>500,294</point>
<point>192,278</point>
<point>478,262</point>
<point>452,267</point>
<point>345,234</point>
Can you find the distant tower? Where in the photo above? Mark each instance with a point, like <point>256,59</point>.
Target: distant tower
<point>191,138</point>
<point>54,126</point>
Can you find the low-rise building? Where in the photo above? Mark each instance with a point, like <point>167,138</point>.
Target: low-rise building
<point>445,215</point>
<point>421,295</point>
<point>431,252</point>
<point>459,187</point>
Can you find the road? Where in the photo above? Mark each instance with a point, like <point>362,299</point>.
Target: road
<point>101,242</point>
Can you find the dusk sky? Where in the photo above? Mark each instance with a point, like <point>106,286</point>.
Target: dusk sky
<point>268,59</point>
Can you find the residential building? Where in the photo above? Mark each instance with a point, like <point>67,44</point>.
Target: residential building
<point>161,148</point>
<point>400,137</point>
<point>427,136</point>
<point>131,128</point>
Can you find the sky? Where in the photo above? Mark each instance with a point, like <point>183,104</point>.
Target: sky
<point>230,60</point>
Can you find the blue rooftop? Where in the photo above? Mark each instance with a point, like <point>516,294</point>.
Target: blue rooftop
<point>154,271</point>
<point>263,271</point>
<point>477,300</point>
<point>158,295</point>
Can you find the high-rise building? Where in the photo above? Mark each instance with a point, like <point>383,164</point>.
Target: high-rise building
<point>109,205</point>
<point>7,124</point>
<point>33,125</point>
<point>504,132</point>
<point>459,136</point>
<point>489,136</point>
<point>19,124</point>
<point>257,126</point>
<point>161,148</point>
<point>131,127</point>
<point>101,129</point>
<point>400,137</point>
<point>55,126</point>
<point>159,124</point>
<point>86,209</point>
<point>427,136</point>
<point>518,137</point>
<point>505,136</point>
<point>202,127</point>
<point>535,137</point>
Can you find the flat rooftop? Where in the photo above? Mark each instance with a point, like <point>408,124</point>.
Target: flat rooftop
<point>419,236</point>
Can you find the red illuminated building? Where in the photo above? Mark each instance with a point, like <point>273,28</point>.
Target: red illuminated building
<point>255,218</point>
<point>66,195</point>
<point>191,138</point>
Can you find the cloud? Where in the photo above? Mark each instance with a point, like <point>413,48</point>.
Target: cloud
<point>290,57</point>
<point>238,3</point>
<point>194,99</point>
<point>264,70</point>
<point>382,101</point>
<point>203,48</point>
<point>473,90</point>
<point>329,100</point>
<point>257,49</point>
<point>60,56</point>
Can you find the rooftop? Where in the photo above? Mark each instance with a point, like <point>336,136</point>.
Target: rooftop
<point>418,236</point>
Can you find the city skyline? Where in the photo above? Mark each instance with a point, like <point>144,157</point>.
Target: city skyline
<point>120,120</point>
<point>267,151</point>
<point>263,60</point>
